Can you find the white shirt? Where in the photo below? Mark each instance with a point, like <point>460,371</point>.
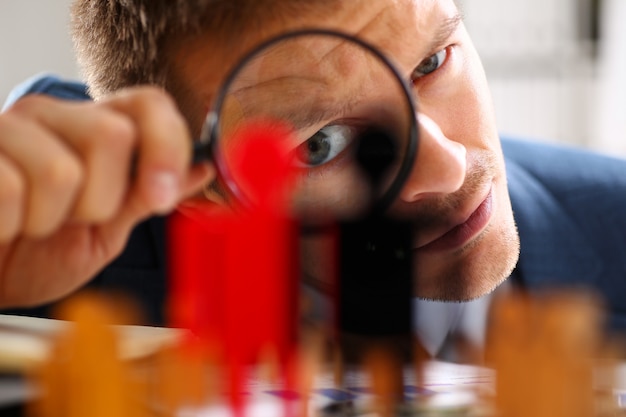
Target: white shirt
<point>435,321</point>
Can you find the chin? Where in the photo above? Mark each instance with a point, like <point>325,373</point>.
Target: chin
<point>474,270</point>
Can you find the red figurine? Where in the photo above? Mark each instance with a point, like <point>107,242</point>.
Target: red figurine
<point>234,274</point>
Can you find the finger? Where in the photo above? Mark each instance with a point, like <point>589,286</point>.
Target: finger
<point>113,233</point>
<point>102,139</point>
<point>12,195</point>
<point>106,151</point>
<point>164,147</point>
<point>198,177</point>
<point>52,172</point>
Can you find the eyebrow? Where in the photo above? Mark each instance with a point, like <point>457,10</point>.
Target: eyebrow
<point>302,118</point>
<point>447,27</point>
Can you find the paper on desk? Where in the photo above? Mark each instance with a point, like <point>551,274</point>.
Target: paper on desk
<point>26,341</point>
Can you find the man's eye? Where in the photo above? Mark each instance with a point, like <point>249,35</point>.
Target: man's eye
<point>324,145</point>
<point>430,64</point>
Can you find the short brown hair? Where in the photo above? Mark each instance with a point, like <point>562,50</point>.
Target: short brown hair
<point>120,43</point>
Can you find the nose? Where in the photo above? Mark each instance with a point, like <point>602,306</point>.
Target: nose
<point>440,165</point>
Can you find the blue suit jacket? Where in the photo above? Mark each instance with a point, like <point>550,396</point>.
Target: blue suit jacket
<point>569,206</point>
<point>570,210</point>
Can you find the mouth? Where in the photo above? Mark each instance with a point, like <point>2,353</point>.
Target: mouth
<point>464,231</point>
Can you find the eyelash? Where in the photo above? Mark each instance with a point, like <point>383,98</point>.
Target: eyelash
<point>437,72</point>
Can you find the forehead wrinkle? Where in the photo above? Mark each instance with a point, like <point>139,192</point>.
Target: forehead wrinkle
<point>373,21</point>
<point>303,116</point>
<point>246,89</point>
<point>320,113</point>
<point>279,60</point>
<point>404,38</point>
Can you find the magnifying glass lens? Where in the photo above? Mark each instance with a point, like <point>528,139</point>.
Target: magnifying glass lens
<point>351,122</point>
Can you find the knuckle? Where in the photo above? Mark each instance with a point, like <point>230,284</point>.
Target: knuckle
<point>154,95</point>
<point>8,231</point>
<point>110,130</point>
<point>23,105</point>
<point>10,121</point>
<point>62,174</point>
<point>145,97</point>
<point>96,209</point>
<point>153,99</point>
<point>105,211</point>
<point>12,188</point>
<point>26,104</point>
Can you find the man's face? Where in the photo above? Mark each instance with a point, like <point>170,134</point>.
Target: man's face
<point>456,195</point>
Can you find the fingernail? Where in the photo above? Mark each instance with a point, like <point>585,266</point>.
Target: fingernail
<point>163,191</point>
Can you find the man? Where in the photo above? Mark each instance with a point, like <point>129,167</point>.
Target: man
<point>456,194</point>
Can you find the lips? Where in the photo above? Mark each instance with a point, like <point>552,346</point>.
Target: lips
<point>464,231</point>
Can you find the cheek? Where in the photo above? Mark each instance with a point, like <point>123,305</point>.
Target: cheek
<point>473,110</point>
<point>474,105</point>
<point>462,104</point>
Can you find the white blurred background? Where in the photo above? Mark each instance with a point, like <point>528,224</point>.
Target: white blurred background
<point>34,38</point>
<point>557,68</point>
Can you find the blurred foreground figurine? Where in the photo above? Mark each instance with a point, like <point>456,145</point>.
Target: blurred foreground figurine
<point>544,351</point>
<point>235,274</point>
<point>375,283</point>
<point>84,375</point>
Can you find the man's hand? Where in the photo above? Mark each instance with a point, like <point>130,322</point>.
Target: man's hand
<point>75,177</point>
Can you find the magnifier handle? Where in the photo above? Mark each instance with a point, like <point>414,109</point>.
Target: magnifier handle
<point>201,152</point>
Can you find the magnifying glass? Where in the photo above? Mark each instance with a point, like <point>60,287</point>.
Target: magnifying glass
<point>351,115</point>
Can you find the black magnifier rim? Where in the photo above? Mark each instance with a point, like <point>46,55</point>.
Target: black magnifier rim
<point>210,132</point>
